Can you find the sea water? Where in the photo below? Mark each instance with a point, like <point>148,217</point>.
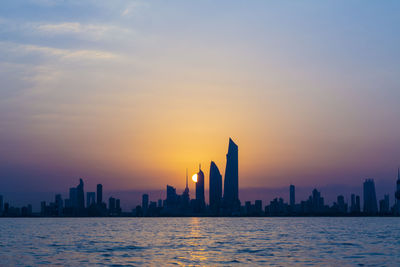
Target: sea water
<point>200,241</point>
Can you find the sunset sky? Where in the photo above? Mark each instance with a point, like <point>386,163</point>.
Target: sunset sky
<point>131,93</point>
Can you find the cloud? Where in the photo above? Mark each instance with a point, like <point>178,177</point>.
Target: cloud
<point>70,54</point>
<point>63,54</point>
<point>87,31</point>
<point>74,27</point>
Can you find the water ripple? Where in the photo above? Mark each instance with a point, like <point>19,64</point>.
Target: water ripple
<point>200,241</point>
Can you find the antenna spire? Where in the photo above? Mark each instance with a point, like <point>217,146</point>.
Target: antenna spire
<point>186,178</point>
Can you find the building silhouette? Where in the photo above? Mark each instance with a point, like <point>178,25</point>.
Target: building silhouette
<point>276,208</point>
<point>314,205</point>
<point>384,205</point>
<point>59,205</point>
<point>341,206</point>
<point>99,194</point>
<point>231,182</point>
<point>370,203</point>
<point>185,194</point>
<point>355,204</point>
<point>215,189</point>
<point>114,206</point>
<point>90,199</point>
<point>111,205</point>
<point>73,199</point>
<point>358,204</point>
<point>292,196</point>
<point>80,196</point>
<point>397,194</point>
<point>200,200</point>
<point>172,197</point>
<point>118,206</point>
<point>145,202</point>
<point>317,201</point>
<point>258,207</point>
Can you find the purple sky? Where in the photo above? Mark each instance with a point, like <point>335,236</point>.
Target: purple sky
<point>131,93</point>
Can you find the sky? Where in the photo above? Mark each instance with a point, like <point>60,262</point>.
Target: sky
<point>131,93</point>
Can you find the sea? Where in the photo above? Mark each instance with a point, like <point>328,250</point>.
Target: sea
<point>296,241</point>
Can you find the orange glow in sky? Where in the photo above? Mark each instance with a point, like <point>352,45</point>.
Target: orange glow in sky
<point>132,100</point>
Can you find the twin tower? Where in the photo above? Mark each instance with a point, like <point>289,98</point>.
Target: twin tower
<point>229,202</point>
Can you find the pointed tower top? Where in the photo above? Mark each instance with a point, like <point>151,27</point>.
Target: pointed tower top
<point>199,166</point>
<point>232,146</point>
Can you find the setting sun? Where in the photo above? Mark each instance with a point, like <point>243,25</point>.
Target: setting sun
<point>194,177</point>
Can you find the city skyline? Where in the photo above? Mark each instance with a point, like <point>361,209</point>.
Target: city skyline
<point>315,205</point>
<point>222,201</point>
<point>133,197</point>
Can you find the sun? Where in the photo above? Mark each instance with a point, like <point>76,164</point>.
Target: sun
<point>194,177</point>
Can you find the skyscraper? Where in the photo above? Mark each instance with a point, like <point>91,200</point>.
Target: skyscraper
<point>111,205</point>
<point>118,206</point>
<point>215,193</point>
<point>145,201</point>
<point>292,196</point>
<point>200,189</point>
<point>317,203</point>
<point>358,205</point>
<point>231,182</point>
<point>73,198</point>
<point>171,196</point>
<point>80,195</point>
<point>384,205</point>
<point>353,203</point>
<point>99,194</point>
<point>341,205</point>
<point>370,203</point>
<point>59,205</point>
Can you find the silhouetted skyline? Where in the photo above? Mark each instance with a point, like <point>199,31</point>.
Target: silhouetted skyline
<point>177,204</point>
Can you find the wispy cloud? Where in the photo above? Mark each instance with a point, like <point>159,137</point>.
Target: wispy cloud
<point>61,27</point>
<point>90,31</point>
<point>67,54</point>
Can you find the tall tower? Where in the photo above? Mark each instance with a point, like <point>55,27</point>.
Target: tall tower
<point>215,193</point>
<point>145,201</point>
<point>200,189</point>
<point>292,196</point>
<point>185,195</point>
<point>370,203</point>
<point>186,192</point>
<point>80,193</point>
<point>231,182</point>
<point>99,194</point>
